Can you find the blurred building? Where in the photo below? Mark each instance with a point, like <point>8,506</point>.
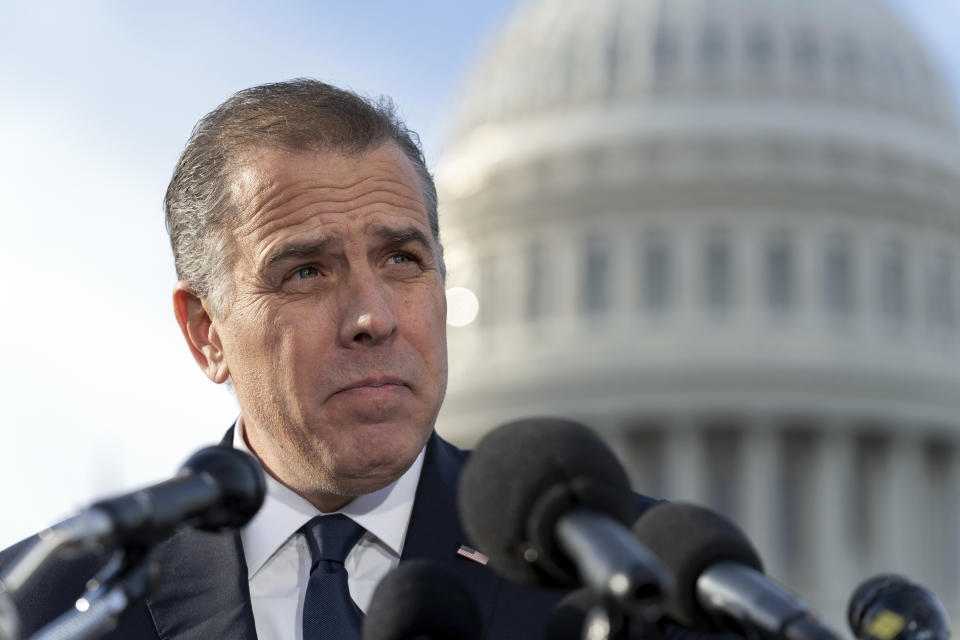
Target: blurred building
<point>726,234</point>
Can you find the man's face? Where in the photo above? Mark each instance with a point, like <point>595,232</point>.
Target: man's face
<point>334,335</point>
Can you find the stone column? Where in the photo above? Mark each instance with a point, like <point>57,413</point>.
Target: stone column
<point>902,516</point>
<point>616,433</point>
<point>952,595</point>
<point>760,479</point>
<point>828,522</point>
<point>685,461</point>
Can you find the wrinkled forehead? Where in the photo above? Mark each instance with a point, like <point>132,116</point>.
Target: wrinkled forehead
<point>257,168</point>
<point>273,189</point>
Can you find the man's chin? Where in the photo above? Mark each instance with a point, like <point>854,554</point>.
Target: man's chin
<point>377,466</point>
<point>368,478</point>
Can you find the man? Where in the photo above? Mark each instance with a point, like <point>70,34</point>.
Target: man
<point>304,228</point>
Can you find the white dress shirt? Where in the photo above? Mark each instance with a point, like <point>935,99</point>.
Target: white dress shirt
<point>278,560</point>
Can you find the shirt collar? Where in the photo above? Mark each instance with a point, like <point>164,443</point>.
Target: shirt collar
<point>385,513</point>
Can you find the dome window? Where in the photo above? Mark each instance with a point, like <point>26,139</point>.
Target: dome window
<point>718,272</point>
<point>838,290</point>
<point>595,294</point>
<point>892,69</point>
<point>713,47</point>
<point>805,51</point>
<point>666,50</point>
<point>849,60</point>
<point>892,283</point>
<point>780,274</point>
<point>760,48</point>
<point>656,273</point>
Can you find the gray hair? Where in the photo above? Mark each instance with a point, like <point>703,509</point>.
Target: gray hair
<point>297,115</point>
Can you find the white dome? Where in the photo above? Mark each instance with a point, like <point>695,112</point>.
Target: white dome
<point>853,52</point>
<point>594,126</point>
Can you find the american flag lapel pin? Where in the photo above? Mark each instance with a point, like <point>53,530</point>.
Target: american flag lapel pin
<point>472,554</point>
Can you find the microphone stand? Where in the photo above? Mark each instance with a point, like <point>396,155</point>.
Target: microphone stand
<point>74,536</point>
<point>126,579</point>
<point>9,617</point>
<point>596,624</point>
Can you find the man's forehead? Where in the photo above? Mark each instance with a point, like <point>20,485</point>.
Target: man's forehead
<point>260,167</point>
<point>293,199</point>
<point>271,181</point>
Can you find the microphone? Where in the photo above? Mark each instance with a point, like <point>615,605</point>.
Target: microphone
<point>217,488</point>
<point>582,615</point>
<point>890,607</point>
<point>550,505</point>
<point>720,581</point>
<point>422,600</point>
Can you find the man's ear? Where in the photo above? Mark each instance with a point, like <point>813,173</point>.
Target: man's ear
<point>200,332</point>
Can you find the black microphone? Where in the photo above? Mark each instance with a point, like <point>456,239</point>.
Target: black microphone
<point>581,614</point>
<point>890,607</point>
<point>422,600</point>
<point>719,577</point>
<point>217,488</point>
<point>550,505</point>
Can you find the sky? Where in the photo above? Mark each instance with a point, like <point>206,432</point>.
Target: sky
<point>98,393</point>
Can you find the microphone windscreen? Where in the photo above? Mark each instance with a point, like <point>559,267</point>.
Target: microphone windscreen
<point>888,607</point>
<point>240,479</point>
<point>522,477</point>
<point>425,600</point>
<point>867,593</point>
<point>688,539</point>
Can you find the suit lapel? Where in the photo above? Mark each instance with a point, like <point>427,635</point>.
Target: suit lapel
<point>203,591</point>
<point>435,532</point>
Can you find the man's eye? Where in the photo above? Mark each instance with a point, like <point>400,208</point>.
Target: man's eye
<point>304,273</point>
<point>401,258</point>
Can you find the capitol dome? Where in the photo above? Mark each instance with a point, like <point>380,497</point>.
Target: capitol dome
<point>619,52</point>
<point>726,234</point>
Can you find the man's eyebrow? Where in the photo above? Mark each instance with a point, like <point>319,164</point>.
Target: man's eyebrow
<point>313,248</point>
<point>296,251</point>
<point>401,236</point>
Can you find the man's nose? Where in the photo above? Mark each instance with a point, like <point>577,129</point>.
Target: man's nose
<point>368,317</point>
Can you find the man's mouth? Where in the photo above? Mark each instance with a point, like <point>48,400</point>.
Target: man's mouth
<point>377,387</point>
<point>375,382</point>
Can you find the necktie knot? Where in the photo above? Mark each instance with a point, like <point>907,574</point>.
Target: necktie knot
<point>330,538</point>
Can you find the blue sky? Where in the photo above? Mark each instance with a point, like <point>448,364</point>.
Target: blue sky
<point>98,392</point>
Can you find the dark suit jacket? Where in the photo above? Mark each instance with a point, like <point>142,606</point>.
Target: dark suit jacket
<point>203,593</point>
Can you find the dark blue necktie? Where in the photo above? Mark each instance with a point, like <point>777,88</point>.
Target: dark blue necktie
<point>328,611</point>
